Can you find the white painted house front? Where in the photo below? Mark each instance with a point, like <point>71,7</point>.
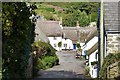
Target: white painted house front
<point>90,49</point>
<point>88,45</point>
<point>67,44</point>
<point>69,36</point>
<point>93,69</point>
<point>54,42</point>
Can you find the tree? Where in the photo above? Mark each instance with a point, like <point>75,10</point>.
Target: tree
<point>79,48</point>
<point>72,12</point>
<point>59,45</point>
<point>17,37</point>
<point>78,45</point>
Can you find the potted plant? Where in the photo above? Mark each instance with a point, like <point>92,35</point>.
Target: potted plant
<point>94,64</point>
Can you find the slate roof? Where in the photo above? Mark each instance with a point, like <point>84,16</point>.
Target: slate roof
<point>112,16</point>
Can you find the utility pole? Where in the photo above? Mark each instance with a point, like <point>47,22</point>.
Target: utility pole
<point>101,35</point>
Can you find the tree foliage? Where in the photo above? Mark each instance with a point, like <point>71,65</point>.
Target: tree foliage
<point>59,44</point>
<point>17,37</point>
<point>78,45</point>
<point>84,12</point>
<point>45,56</point>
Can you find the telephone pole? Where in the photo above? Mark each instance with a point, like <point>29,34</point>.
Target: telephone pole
<point>101,35</point>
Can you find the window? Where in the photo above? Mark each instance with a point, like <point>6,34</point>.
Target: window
<point>55,45</point>
<point>85,52</point>
<point>55,38</point>
<point>62,36</point>
<point>96,55</point>
<point>65,45</point>
<point>92,72</point>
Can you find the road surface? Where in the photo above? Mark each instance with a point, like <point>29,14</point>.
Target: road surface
<point>69,67</point>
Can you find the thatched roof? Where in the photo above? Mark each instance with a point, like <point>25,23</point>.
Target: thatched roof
<point>76,33</point>
<point>50,28</point>
<point>92,34</point>
<point>40,35</point>
<point>70,34</point>
<point>91,50</point>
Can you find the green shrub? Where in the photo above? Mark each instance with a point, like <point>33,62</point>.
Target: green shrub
<point>110,59</point>
<point>78,45</point>
<point>48,58</point>
<point>94,62</point>
<point>49,61</point>
<point>50,9</point>
<point>59,44</point>
<point>87,69</point>
<point>38,65</point>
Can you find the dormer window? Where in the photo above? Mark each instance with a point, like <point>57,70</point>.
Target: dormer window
<point>55,38</point>
<point>55,45</point>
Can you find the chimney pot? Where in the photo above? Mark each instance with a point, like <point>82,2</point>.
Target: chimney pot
<point>77,23</point>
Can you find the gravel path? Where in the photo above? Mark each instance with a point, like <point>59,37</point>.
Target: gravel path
<point>69,67</point>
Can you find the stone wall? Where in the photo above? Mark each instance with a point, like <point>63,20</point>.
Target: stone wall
<point>112,23</point>
<point>113,70</point>
<point>113,43</point>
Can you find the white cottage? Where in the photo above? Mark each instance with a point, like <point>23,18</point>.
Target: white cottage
<point>76,34</point>
<point>90,49</point>
<point>69,36</point>
<point>92,54</point>
<point>52,30</point>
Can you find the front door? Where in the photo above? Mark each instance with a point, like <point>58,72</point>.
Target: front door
<point>74,46</point>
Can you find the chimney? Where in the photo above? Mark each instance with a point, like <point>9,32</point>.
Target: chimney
<point>77,24</point>
<point>60,22</point>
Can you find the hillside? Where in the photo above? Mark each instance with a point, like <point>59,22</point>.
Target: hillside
<point>84,12</point>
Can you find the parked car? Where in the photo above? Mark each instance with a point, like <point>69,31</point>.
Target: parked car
<point>77,55</point>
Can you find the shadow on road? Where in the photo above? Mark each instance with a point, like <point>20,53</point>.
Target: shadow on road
<point>59,74</point>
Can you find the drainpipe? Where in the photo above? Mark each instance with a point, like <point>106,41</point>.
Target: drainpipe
<point>100,36</point>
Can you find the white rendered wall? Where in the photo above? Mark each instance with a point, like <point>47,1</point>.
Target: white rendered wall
<point>92,57</point>
<point>64,41</point>
<point>68,42</point>
<point>52,42</point>
<point>90,44</point>
<point>94,75</point>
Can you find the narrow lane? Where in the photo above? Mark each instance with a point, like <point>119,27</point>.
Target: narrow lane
<point>69,67</point>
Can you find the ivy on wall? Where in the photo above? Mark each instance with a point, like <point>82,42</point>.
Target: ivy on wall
<point>110,59</point>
